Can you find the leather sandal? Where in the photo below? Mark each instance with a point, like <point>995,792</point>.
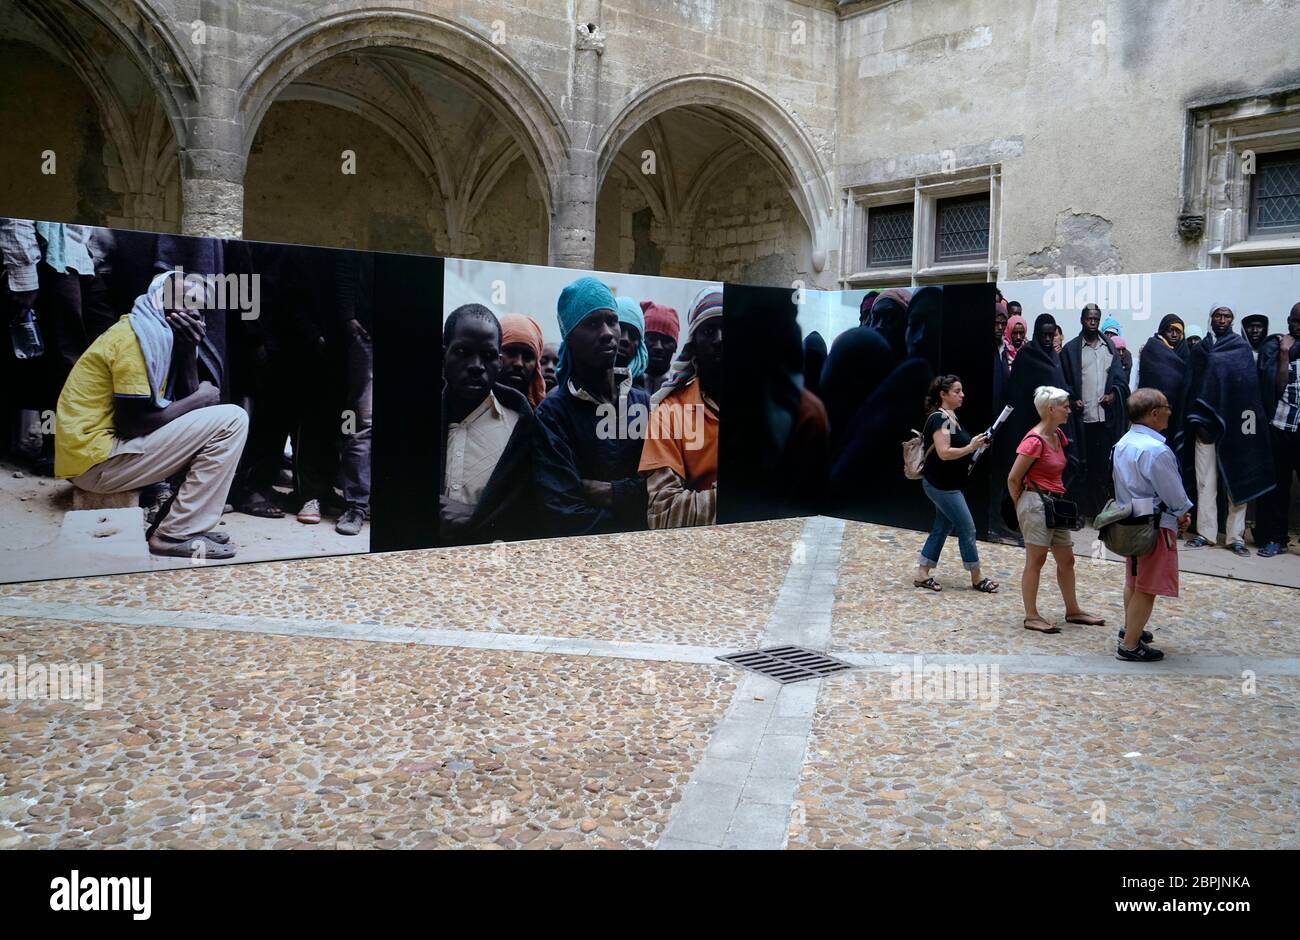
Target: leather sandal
<point>929,584</point>
<point>987,586</point>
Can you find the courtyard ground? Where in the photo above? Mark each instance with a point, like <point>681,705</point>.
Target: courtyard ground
<point>566,694</point>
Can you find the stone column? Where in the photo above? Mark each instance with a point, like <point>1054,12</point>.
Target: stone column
<point>573,224</point>
<point>212,158</point>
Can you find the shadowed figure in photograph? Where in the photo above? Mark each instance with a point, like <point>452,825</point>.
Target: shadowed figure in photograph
<point>872,388</point>
<point>1098,387</point>
<point>485,490</point>
<point>814,360</point>
<point>1226,415</point>
<point>680,458</point>
<point>1279,377</point>
<point>1163,365</point>
<point>134,412</point>
<point>591,426</point>
<point>773,459</point>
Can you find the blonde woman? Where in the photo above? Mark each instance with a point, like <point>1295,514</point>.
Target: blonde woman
<point>1040,463</point>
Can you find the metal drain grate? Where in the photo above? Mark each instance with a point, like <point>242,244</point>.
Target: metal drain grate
<point>787,664</point>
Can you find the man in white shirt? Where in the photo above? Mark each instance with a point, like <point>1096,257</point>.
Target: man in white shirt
<point>487,433</point>
<point>1099,389</point>
<point>1147,480</point>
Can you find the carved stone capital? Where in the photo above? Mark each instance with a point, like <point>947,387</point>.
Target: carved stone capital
<point>1191,226</point>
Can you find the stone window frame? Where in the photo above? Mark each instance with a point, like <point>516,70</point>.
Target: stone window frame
<point>1216,190</point>
<point>925,193</point>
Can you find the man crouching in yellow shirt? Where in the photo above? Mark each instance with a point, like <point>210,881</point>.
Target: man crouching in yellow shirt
<point>133,413</point>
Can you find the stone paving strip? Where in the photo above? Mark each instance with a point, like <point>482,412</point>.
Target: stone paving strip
<point>1100,762</point>
<point>739,797</point>
<point>210,739</point>
<point>614,649</point>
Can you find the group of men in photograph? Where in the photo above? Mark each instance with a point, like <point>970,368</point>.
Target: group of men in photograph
<point>207,374</point>
<point>618,436</point>
<point>1233,394</point>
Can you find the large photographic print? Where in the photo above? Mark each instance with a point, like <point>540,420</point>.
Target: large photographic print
<point>576,404</point>
<point>1221,348</point>
<point>172,401</point>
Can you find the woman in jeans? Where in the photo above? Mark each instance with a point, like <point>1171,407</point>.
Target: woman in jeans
<point>1040,461</point>
<point>947,461</point>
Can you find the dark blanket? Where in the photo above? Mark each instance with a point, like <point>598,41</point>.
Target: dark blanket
<point>859,361</point>
<point>814,358</point>
<point>1034,366</point>
<point>506,510</point>
<point>1001,375</point>
<point>1227,408</point>
<point>568,449</point>
<point>1116,381</point>
<point>1269,351</point>
<point>1168,370</point>
<point>867,481</point>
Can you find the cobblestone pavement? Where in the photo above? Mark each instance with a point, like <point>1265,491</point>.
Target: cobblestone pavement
<point>1058,761</point>
<point>419,702</point>
<point>878,610</point>
<point>226,741</point>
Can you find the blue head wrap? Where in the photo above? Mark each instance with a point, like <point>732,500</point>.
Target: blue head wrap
<point>629,312</point>
<point>579,300</point>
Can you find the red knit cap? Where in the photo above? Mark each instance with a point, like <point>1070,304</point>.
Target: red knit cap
<point>660,319</point>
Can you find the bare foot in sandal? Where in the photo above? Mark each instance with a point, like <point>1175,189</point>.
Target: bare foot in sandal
<point>1079,618</point>
<point>1039,625</point>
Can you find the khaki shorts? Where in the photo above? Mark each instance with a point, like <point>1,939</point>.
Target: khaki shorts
<point>1033,526</point>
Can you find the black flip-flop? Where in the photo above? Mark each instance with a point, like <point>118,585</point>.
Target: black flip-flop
<point>258,505</point>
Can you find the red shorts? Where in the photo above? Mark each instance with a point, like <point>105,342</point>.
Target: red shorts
<point>1156,573</point>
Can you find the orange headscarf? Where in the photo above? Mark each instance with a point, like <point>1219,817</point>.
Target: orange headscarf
<point>517,328</point>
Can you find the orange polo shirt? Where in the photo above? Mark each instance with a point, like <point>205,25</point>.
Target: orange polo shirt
<point>692,456</point>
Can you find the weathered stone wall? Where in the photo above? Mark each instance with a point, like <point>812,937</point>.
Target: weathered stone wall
<point>749,234</point>
<point>1084,102</point>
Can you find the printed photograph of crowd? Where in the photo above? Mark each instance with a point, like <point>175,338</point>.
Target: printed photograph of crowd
<point>576,404</point>
<point>171,400</point>
<point>1227,369</point>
